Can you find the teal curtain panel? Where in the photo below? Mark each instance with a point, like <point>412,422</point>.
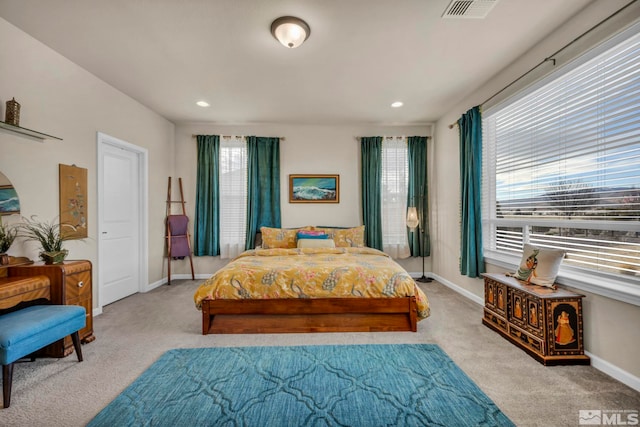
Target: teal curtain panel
<point>371,156</point>
<point>418,195</point>
<point>207,216</point>
<point>263,189</point>
<point>471,257</point>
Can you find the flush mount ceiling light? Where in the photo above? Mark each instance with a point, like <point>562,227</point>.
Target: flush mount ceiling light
<point>397,104</point>
<point>202,104</point>
<point>290,31</point>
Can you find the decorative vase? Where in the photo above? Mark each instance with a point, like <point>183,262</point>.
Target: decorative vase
<point>54,257</point>
<point>12,115</point>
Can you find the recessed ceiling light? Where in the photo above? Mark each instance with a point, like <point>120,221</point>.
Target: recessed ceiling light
<point>202,103</point>
<point>397,104</point>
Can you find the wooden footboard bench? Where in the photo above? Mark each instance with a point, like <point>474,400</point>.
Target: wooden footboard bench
<point>309,315</point>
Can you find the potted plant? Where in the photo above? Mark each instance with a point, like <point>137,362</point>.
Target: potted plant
<point>49,235</point>
<point>7,236</point>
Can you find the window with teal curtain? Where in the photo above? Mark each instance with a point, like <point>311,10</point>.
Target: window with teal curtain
<point>471,257</point>
<point>418,195</point>
<point>371,178</point>
<point>263,197</point>
<point>207,215</point>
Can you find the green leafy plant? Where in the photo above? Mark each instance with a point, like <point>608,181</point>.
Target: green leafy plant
<point>48,234</point>
<point>7,235</point>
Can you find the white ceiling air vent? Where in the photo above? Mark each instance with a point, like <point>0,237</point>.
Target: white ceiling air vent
<point>469,9</point>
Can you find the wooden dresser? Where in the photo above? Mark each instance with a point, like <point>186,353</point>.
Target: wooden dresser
<point>545,322</point>
<point>70,285</point>
<point>16,292</point>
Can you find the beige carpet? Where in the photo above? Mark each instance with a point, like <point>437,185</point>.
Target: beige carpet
<point>133,333</point>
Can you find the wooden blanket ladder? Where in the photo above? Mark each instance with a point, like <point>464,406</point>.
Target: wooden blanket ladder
<point>177,233</point>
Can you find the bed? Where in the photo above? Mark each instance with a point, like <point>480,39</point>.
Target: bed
<point>277,288</point>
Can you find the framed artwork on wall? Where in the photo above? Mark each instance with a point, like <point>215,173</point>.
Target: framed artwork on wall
<point>73,201</point>
<point>307,188</point>
<point>9,202</point>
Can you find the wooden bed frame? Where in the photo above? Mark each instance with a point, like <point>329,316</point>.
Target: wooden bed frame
<point>309,315</point>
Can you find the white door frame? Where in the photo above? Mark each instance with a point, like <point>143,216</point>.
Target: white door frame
<point>142,155</point>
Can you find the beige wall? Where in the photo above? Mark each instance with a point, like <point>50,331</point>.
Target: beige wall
<point>59,98</point>
<point>611,331</point>
<point>307,149</point>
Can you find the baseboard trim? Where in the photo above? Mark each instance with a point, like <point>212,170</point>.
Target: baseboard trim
<point>600,364</point>
<point>613,371</point>
<point>165,280</point>
<point>156,284</point>
<point>470,295</point>
<point>187,276</point>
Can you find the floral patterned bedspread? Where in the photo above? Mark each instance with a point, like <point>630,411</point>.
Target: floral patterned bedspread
<point>343,272</point>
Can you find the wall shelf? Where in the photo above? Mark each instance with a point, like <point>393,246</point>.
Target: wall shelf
<point>27,132</point>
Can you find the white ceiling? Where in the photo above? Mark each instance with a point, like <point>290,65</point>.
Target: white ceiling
<point>361,56</point>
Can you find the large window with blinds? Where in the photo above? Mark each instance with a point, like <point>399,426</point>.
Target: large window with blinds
<point>395,184</point>
<point>562,166</point>
<point>233,196</point>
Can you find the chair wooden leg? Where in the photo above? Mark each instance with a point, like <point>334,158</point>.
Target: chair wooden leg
<point>76,345</point>
<point>7,376</point>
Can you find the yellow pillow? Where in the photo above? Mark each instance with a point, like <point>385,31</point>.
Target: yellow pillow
<point>345,237</point>
<point>280,237</point>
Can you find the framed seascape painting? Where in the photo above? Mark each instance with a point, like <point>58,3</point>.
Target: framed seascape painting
<point>314,188</point>
<point>9,202</point>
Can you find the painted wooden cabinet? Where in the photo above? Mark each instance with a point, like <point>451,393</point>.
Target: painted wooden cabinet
<point>544,322</point>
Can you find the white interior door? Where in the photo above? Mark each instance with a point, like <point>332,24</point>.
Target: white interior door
<point>120,221</point>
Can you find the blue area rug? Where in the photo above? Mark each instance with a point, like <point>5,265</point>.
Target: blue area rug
<point>354,385</point>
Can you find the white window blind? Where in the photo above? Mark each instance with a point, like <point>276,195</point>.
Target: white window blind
<point>562,164</point>
<point>233,196</point>
<point>395,181</point>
